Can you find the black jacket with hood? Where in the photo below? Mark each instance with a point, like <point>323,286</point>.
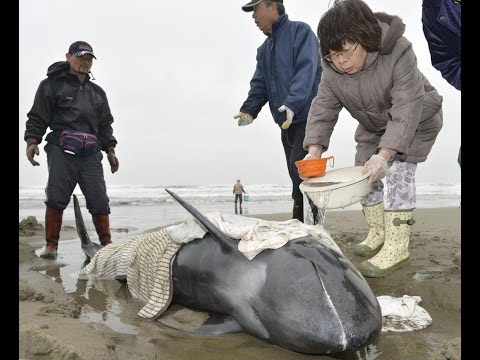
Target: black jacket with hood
<point>63,102</point>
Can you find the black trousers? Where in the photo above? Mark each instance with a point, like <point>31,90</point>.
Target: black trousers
<point>238,197</point>
<point>65,171</point>
<point>292,141</point>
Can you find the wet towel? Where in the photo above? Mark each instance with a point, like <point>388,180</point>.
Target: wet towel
<point>254,235</point>
<point>145,261</point>
<point>403,314</point>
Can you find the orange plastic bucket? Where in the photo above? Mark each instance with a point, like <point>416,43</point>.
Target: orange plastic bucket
<point>312,167</point>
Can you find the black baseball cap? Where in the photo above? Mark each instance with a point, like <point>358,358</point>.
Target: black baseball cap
<point>80,48</point>
<point>249,6</point>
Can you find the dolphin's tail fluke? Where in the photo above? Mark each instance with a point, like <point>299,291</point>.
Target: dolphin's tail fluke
<point>225,242</point>
<point>88,247</point>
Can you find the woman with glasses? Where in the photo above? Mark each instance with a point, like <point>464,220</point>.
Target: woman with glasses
<point>370,69</point>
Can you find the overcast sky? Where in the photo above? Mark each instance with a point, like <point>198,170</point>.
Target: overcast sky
<point>176,73</point>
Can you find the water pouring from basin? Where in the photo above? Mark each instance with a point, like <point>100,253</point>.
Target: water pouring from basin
<point>338,188</point>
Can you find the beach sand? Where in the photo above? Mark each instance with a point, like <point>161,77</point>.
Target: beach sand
<point>61,319</point>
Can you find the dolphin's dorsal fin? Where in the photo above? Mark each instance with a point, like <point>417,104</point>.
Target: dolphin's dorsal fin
<point>225,242</point>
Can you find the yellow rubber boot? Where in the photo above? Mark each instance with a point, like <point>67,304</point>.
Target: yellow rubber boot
<point>376,235</point>
<point>394,252</point>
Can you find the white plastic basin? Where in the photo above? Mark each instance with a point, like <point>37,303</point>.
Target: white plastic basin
<point>338,188</point>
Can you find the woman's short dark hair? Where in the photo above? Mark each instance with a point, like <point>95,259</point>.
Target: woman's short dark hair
<point>352,21</point>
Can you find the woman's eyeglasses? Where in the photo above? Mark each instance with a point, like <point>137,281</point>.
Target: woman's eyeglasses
<point>347,54</point>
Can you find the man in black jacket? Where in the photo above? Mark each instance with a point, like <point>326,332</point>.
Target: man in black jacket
<point>78,115</point>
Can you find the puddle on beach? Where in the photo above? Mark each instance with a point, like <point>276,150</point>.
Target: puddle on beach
<point>106,302</point>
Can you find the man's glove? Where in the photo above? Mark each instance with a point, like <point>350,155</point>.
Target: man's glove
<point>243,118</point>
<point>112,159</point>
<point>32,150</point>
<point>378,167</point>
<point>286,124</point>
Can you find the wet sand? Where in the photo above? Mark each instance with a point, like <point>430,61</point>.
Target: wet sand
<point>63,318</point>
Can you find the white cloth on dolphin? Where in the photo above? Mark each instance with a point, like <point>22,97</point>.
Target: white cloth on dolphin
<point>403,314</point>
<point>110,262</point>
<point>145,260</point>
<point>254,234</point>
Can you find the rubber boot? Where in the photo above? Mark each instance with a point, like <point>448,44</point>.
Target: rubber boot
<point>241,210</point>
<point>53,225</point>
<point>297,212</point>
<point>236,209</point>
<point>102,226</point>
<point>376,234</point>
<point>394,252</point>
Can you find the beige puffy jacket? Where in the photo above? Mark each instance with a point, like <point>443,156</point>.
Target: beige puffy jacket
<point>395,105</point>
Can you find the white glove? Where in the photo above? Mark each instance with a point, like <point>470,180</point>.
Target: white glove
<point>378,167</point>
<point>314,152</point>
<point>286,124</point>
<point>243,118</point>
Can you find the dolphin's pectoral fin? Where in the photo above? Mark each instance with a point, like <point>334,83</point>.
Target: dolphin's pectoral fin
<point>198,322</point>
<point>218,324</point>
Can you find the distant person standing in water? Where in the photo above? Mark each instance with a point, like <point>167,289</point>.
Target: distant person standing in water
<point>238,190</point>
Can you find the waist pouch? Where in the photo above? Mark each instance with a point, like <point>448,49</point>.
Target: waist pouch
<point>78,142</point>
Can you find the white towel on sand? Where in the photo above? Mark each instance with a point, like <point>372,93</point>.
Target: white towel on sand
<point>403,314</point>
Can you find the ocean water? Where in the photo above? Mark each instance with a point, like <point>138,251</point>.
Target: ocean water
<point>127,201</point>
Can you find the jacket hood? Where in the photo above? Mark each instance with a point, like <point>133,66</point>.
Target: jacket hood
<point>61,69</point>
<point>392,29</point>
<point>57,69</point>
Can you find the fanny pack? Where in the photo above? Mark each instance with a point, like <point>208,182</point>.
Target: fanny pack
<point>78,142</point>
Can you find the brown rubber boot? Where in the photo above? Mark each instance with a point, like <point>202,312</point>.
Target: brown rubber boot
<point>102,225</point>
<point>53,225</point>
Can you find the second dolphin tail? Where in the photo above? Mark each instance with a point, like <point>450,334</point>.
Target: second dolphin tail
<point>89,248</point>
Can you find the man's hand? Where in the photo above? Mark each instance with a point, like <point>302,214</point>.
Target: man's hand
<point>378,167</point>
<point>32,150</point>
<point>112,159</point>
<point>286,124</point>
<point>243,119</point>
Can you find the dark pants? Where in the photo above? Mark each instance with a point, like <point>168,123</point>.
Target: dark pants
<point>238,197</point>
<point>65,171</point>
<point>292,140</point>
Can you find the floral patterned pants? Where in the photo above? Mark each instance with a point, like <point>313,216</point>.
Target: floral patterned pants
<point>401,193</point>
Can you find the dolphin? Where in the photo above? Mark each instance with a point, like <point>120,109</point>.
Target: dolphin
<point>304,296</point>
